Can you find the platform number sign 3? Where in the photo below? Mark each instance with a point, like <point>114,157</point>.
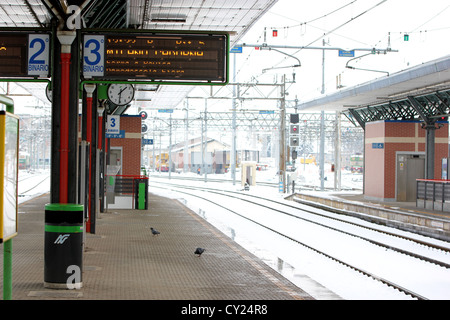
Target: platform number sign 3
<point>113,125</point>
<point>38,55</point>
<point>93,56</point>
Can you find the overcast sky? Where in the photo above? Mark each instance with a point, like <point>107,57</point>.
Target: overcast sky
<point>347,24</point>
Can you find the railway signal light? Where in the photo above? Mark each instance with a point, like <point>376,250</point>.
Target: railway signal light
<point>294,141</point>
<point>294,129</point>
<point>143,115</point>
<point>294,117</point>
<point>294,154</point>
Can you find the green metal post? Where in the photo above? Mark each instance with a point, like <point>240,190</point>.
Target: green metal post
<point>7,245</point>
<point>8,102</point>
<point>7,270</point>
<point>141,196</point>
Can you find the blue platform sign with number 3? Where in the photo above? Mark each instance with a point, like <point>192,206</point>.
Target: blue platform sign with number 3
<point>113,124</point>
<point>93,56</point>
<point>38,55</point>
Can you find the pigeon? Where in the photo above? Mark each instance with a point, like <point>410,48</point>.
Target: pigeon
<point>199,251</point>
<point>155,232</point>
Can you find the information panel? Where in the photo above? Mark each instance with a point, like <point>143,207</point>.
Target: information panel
<point>13,54</point>
<point>9,149</point>
<point>24,55</point>
<point>157,57</point>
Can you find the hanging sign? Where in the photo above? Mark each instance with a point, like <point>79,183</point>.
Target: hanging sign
<point>24,55</point>
<point>347,53</point>
<point>93,56</point>
<point>156,56</point>
<point>113,125</point>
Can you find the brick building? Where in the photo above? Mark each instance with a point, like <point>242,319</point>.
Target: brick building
<point>125,151</point>
<point>395,157</point>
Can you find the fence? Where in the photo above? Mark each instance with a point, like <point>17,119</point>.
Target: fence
<point>126,192</point>
<point>433,194</point>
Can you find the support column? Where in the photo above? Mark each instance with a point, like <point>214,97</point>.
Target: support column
<point>100,159</point>
<point>430,126</point>
<point>65,38</point>
<point>89,133</point>
<point>429,150</point>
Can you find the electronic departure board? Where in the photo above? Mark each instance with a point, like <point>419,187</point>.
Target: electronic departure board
<point>13,52</point>
<point>24,55</point>
<point>157,57</point>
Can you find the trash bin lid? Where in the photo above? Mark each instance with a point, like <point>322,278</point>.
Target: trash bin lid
<point>64,207</point>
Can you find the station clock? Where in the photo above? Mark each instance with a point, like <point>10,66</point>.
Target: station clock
<point>120,93</point>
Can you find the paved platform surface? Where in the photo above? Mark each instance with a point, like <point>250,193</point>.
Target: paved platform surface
<point>124,261</point>
<point>394,205</point>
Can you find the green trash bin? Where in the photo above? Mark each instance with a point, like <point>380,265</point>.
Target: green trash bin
<point>63,249</point>
<point>141,194</point>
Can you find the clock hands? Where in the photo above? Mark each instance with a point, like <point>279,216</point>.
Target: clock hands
<point>120,93</point>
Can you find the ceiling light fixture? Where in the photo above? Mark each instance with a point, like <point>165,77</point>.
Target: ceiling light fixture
<point>168,18</point>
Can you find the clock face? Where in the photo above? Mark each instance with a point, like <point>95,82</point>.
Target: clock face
<point>48,92</point>
<point>120,94</point>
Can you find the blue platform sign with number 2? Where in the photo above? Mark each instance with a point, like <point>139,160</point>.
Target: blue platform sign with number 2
<point>38,55</point>
<point>93,56</point>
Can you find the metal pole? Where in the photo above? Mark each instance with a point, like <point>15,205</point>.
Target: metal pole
<point>7,270</point>
<point>337,153</point>
<point>7,245</point>
<point>170,146</point>
<point>322,149</point>
<point>89,90</point>
<point>323,68</point>
<point>160,154</point>
<point>205,166</point>
<point>430,151</point>
<point>202,149</point>
<point>154,142</point>
<point>66,38</point>
<point>233,138</point>
<point>186,138</point>
<point>282,164</point>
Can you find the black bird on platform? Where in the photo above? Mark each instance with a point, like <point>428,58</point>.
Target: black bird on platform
<point>199,251</point>
<point>155,232</point>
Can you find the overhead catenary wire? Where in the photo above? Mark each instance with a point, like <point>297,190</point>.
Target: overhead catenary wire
<point>303,23</point>
<point>343,24</point>
<point>332,30</point>
<point>320,17</point>
<point>432,18</point>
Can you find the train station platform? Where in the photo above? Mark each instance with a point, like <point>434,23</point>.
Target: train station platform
<point>124,261</point>
<point>401,215</point>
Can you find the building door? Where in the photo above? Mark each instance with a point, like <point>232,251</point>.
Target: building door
<point>409,168</point>
<point>115,159</point>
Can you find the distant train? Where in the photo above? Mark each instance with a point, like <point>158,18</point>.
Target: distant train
<point>356,163</point>
<point>24,160</point>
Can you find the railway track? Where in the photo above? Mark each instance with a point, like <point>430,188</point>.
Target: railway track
<point>260,183</point>
<point>29,183</point>
<point>393,241</point>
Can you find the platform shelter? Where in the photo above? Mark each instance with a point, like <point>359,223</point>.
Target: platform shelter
<point>404,117</point>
